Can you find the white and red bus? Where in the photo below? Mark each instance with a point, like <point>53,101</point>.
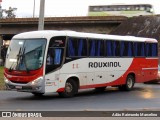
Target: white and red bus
<point>66,61</point>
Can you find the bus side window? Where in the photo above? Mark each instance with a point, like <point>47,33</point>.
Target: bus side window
<point>130,49</point>
<point>126,48</point>
<point>58,41</point>
<point>72,44</point>
<point>50,57</point>
<point>116,48</point>
<point>96,48</point>
<point>100,48</point>
<point>58,55</point>
<point>108,48</point>
<point>151,50</point>
<point>82,47</point>
<point>92,47</point>
<point>148,50</point>
<point>77,47</point>
<point>142,49</point>
<point>139,49</point>
<point>154,50</point>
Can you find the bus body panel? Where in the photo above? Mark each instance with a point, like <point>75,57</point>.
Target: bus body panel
<point>52,81</point>
<point>95,76</point>
<point>25,82</point>
<point>23,76</point>
<point>115,76</point>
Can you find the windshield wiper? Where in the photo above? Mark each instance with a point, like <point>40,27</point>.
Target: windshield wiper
<point>23,59</point>
<point>11,68</point>
<point>20,59</point>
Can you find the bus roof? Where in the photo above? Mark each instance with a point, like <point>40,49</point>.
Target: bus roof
<point>51,33</point>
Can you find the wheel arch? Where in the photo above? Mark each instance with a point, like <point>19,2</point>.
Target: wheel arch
<point>133,74</point>
<point>75,78</point>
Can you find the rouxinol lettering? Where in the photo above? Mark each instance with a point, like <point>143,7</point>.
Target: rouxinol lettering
<point>103,64</point>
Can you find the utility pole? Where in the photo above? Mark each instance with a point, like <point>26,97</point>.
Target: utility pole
<point>1,11</point>
<point>41,15</point>
<point>34,9</point>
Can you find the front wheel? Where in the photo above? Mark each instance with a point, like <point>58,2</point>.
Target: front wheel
<point>129,83</point>
<point>71,88</point>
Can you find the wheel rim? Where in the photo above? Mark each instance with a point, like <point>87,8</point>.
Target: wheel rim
<point>68,87</point>
<point>129,83</point>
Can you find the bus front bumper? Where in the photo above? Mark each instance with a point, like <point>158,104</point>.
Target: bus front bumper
<point>35,86</point>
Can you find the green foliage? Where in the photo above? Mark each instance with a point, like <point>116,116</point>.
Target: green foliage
<point>1,78</point>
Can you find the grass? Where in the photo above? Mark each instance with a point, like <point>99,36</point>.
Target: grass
<point>1,78</point>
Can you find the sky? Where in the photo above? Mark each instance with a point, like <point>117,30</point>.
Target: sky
<point>65,8</point>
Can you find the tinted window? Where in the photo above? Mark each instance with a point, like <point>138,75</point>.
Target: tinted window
<point>151,49</point>
<point>139,49</point>
<point>92,48</point>
<point>112,48</point>
<point>126,48</point>
<point>77,47</point>
<point>57,42</point>
<point>116,48</point>
<point>108,45</point>
<point>55,53</point>
<point>96,48</point>
<point>100,48</point>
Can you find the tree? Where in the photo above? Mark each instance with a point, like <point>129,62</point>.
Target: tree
<point>10,12</point>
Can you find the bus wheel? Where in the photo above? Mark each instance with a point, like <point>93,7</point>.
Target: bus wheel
<point>129,83</point>
<point>71,88</point>
<point>100,89</point>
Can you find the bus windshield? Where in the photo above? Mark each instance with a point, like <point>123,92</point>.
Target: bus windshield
<point>25,54</point>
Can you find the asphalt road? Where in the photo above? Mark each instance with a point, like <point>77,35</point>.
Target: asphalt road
<point>142,97</point>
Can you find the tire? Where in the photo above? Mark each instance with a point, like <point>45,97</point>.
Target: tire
<point>71,88</point>
<point>100,89</point>
<point>129,84</point>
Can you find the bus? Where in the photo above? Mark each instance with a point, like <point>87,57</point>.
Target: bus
<point>128,10</point>
<point>49,61</point>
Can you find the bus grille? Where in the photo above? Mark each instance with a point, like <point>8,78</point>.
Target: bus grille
<point>19,82</point>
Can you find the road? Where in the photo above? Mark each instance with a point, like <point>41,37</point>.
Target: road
<point>142,97</point>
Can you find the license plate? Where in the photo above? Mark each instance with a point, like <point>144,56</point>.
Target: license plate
<point>18,87</point>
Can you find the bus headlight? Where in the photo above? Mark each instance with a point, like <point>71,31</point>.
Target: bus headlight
<point>37,81</point>
<point>6,80</point>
